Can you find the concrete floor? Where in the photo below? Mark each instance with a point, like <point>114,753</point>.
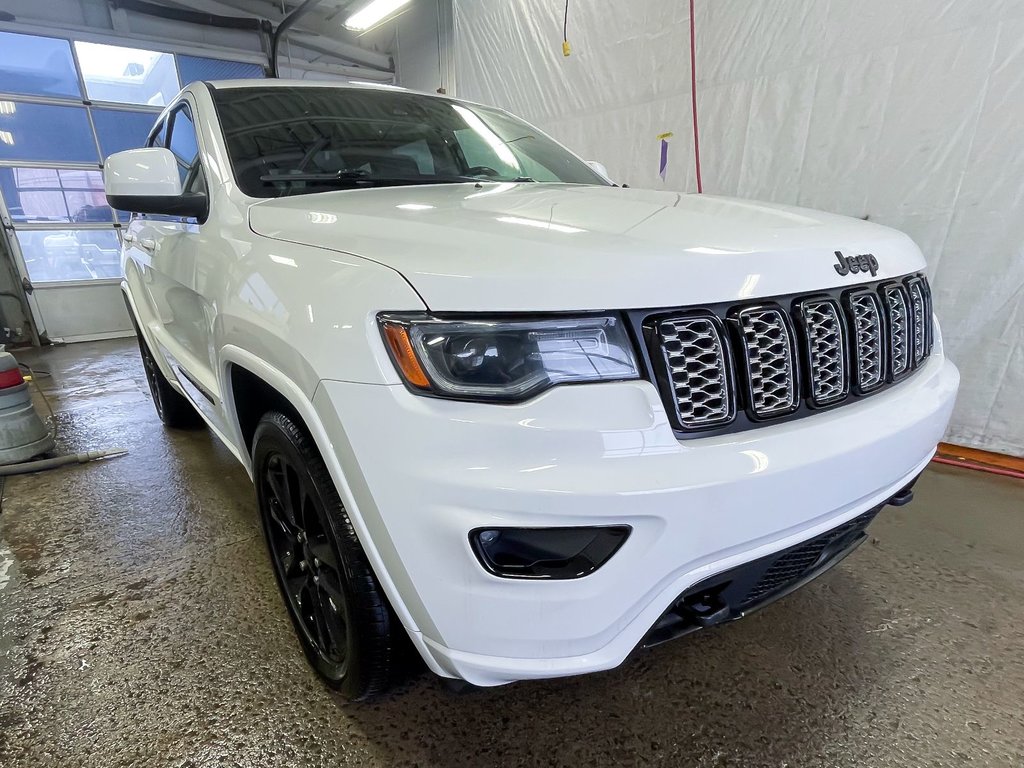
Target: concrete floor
<point>140,625</point>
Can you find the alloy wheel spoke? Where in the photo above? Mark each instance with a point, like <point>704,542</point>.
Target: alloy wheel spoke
<point>280,487</point>
<point>278,515</point>
<point>330,585</point>
<point>293,489</point>
<point>321,549</point>
<point>309,515</point>
<point>334,626</point>
<point>290,558</point>
<point>311,611</point>
<point>321,622</point>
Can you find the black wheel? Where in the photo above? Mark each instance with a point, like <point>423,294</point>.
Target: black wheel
<point>340,614</point>
<point>173,408</point>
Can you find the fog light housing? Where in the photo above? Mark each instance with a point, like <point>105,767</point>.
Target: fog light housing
<point>546,553</point>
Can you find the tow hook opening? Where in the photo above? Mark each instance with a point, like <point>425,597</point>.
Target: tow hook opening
<point>707,608</point>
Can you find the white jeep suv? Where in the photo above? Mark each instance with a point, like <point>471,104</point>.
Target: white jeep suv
<point>492,402</point>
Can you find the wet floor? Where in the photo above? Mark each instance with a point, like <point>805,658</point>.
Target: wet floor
<point>140,625</point>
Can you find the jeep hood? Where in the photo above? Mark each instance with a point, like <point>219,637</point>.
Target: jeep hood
<point>555,247</point>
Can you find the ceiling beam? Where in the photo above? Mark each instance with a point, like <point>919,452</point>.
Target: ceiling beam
<point>353,53</point>
<point>330,46</point>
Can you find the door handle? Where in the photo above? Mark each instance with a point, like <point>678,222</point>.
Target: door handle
<point>129,238</point>
<point>147,244</point>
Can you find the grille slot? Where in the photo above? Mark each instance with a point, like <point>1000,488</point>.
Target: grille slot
<point>898,314</point>
<point>826,350</point>
<point>929,330</point>
<point>695,357</point>
<point>918,313</point>
<point>770,363</point>
<point>869,360</point>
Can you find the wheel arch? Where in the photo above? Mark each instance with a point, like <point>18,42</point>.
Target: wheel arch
<point>245,369</point>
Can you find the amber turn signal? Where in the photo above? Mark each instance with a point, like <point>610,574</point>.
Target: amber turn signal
<point>401,349</point>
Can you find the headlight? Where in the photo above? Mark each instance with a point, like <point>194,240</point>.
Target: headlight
<point>506,359</point>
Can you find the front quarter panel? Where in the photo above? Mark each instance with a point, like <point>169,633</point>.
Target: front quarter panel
<point>311,314</point>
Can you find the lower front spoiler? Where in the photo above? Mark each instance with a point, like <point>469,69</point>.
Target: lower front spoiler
<point>738,592</point>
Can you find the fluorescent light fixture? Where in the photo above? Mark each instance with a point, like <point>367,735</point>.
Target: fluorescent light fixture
<point>8,107</point>
<point>7,137</point>
<point>373,13</point>
<point>540,224</point>
<point>414,207</point>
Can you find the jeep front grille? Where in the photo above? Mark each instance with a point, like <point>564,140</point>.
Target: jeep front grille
<point>727,367</point>
<point>694,352</point>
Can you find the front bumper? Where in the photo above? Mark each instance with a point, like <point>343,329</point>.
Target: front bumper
<point>424,472</point>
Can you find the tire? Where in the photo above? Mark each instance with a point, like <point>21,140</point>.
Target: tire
<point>341,616</point>
<point>174,409</point>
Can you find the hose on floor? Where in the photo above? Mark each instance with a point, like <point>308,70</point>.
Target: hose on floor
<point>59,461</point>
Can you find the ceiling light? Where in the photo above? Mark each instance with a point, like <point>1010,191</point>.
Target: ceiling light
<point>373,13</point>
<point>7,137</point>
<point>8,107</point>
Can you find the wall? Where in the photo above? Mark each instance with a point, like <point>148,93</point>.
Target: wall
<point>907,112</point>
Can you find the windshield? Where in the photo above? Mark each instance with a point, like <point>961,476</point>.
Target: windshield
<point>288,141</point>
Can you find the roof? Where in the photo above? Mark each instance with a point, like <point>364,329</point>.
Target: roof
<point>273,82</point>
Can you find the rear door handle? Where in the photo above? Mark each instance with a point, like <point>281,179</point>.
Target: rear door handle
<point>147,244</point>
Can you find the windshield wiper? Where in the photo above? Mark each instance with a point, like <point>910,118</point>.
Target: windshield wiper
<point>361,178</point>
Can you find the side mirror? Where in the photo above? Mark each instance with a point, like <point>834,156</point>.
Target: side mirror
<point>147,181</point>
<point>600,170</point>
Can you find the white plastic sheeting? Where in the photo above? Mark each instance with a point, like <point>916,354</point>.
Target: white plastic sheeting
<point>907,112</point>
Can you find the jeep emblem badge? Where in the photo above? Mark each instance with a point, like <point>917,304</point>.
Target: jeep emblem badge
<point>864,262</point>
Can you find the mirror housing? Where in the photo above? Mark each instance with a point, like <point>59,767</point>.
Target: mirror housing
<point>147,181</point>
<point>599,169</point>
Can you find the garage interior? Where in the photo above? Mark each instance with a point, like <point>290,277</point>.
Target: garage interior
<point>140,623</point>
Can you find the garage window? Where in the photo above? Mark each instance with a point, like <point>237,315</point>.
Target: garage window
<point>127,75</point>
<point>39,66</point>
<point>194,68</point>
<point>71,254</point>
<point>45,132</point>
<point>120,129</point>
<point>49,194</point>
